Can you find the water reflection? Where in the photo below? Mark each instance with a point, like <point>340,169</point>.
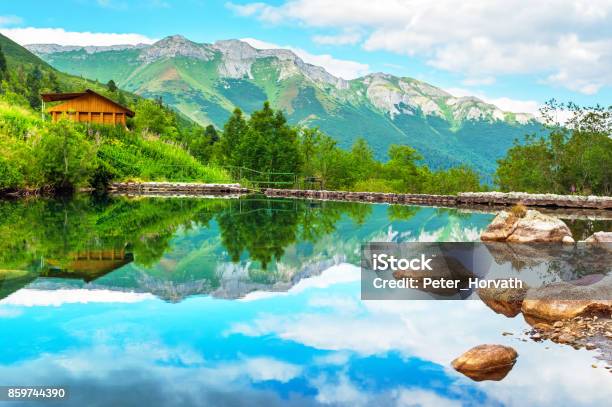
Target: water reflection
<point>126,301</point>
<point>180,247</point>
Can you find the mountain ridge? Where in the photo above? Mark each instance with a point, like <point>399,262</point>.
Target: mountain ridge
<point>177,43</point>
<point>207,81</point>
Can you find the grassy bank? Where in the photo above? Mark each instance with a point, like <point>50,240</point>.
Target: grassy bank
<point>39,155</point>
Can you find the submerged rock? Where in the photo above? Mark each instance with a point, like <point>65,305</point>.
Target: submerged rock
<point>564,300</point>
<point>532,227</point>
<point>505,301</point>
<point>486,362</point>
<point>445,268</point>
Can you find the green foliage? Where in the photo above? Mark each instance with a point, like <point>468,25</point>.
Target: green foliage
<point>34,81</point>
<point>111,86</point>
<point>357,169</point>
<point>3,66</point>
<point>234,131</point>
<point>152,117</point>
<point>66,159</point>
<point>10,176</point>
<point>452,181</point>
<point>264,143</point>
<point>323,159</point>
<point>574,159</point>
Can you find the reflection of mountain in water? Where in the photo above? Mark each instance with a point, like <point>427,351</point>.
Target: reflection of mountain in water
<point>225,248</point>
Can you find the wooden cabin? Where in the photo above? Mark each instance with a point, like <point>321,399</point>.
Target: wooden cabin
<point>86,107</point>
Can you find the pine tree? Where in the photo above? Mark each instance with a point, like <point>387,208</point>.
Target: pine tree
<point>233,133</point>
<point>111,86</point>
<point>211,135</point>
<point>3,66</point>
<point>34,82</point>
<point>54,83</point>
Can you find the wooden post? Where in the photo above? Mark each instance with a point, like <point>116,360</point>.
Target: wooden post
<point>114,118</point>
<point>89,116</point>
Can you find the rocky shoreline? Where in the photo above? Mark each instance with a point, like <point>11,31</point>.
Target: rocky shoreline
<point>174,188</point>
<point>576,313</point>
<point>463,198</point>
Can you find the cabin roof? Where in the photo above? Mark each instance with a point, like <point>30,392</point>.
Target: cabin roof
<point>57,97</point>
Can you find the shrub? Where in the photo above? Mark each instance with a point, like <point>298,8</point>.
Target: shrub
<point>10,176</point>
<point>519,210</point>
<point>65,158</point>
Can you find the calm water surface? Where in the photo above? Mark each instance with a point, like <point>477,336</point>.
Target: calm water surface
<point>249,302</point>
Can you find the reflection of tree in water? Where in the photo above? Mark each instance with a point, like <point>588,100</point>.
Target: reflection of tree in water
<point>401,212</point>
<point>582,229</point>
<point>265,227</point>
<point>56,229</point>
<point>262,227</point>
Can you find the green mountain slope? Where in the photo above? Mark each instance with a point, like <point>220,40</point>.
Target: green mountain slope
<point>206,81</point>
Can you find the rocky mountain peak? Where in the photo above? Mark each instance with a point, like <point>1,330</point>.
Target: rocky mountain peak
<point>45,49</point>
<point>173,46</point>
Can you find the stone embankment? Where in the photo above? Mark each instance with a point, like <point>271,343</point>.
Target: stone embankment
<point>462,199</point>
<point>176,188</point>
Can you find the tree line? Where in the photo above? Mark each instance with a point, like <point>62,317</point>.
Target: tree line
<point>574,158</point>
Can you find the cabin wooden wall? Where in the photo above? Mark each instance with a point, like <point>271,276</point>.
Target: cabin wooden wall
<point>88,109</point>
<point>89,117</point>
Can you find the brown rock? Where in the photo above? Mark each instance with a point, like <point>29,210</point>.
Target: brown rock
<point>486,362</point>
<point>563,300</point>
<point>500,228</point>
<point>533,227</point>
<point>566,338</point>
<point>505,301</point>
<point>538,227</point>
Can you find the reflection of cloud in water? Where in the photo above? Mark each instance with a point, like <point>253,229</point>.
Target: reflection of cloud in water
<point>114,375</point>
<point>440,331</point>
<point>45,298</point>
<point>332,349</point>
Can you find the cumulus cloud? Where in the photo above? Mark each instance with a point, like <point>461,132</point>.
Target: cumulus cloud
<point>33,35</point>
<point>43,298</point>
<point>504,103</point>
<point>345,38</point>
<point>564,42</point>
<point>338,67</point>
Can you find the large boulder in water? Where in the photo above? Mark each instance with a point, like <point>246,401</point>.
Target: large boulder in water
<point>486,362</point>
<point>505,301</point>
<point>566,300</point>
<point>532,227</point>
<point>500,228</point>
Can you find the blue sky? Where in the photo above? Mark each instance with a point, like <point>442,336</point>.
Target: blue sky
<point>514,54</point>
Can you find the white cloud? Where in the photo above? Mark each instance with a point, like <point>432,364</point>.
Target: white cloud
<point>487,80</point>
<point>338,67</point>
<point>564,42</point>
<point>43,298</point>
<point>346,38</point>
<point>33,35</point>
<point>9,20</point>
<point>504,103</point>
